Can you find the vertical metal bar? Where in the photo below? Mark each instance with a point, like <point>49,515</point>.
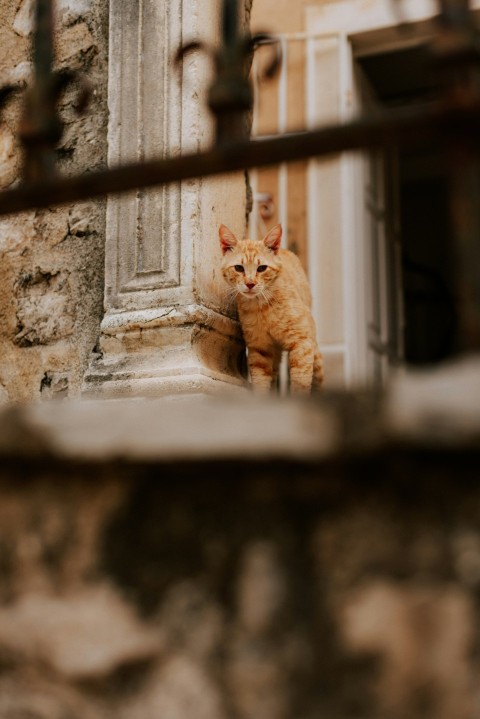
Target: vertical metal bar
<point>253,218</point>
<point>312,186</point>
<point>253,175</point>
<point>348,230</point>
<point>283,89</point>
<point>40,126</point>
<point>256,93</point>
<point>230,94</point>
<point>43,41</point>
<point>282,128</point>
<point>283,370</point>
<point>230,21</point>
<point>283,201</point>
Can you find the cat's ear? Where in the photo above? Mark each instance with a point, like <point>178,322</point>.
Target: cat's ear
<point>273,238</point>
<point>227,238</point>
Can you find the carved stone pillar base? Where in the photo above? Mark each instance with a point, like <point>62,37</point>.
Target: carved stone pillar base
<point>170,351</point>
<point>168,328</point>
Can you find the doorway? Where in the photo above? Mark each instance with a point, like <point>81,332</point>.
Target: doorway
<point>419,256</point>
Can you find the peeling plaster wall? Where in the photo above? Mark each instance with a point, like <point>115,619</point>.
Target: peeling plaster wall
<point>51,273</point>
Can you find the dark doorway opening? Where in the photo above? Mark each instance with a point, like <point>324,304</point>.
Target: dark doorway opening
<point>421,211</point>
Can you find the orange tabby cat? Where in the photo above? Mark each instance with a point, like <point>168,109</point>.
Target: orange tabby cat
<point>273,300</point>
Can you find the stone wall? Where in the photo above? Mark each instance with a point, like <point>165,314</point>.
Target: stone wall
<point>51,274</point>
<point>242,559</point>
<point>52,278</point>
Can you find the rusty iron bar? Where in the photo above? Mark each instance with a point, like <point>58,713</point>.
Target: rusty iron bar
<point>403,126</point>
<point>40,129</point>
<point>230,95</point>
<point>230,22</point>
<point>43,54</point>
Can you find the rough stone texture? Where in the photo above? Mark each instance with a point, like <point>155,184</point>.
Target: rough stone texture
<point>264,578</point>
<point>43,312</point>
<point>51,280</point>
<point>51,276</point>
<point>68,12</point>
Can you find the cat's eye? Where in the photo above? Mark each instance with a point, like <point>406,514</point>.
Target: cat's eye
<point>262,268</point>
<point>239,268</point>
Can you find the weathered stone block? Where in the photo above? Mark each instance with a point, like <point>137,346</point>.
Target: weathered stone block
<point>45,312</point>
<point>8,165</point>
<point>68,12</point>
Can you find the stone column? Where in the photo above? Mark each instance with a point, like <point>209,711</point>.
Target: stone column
<point>168,326</point>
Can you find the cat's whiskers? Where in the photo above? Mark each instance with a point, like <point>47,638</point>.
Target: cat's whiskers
<point>264,295</point>
<point>267,295</point>
<point>232,294</point>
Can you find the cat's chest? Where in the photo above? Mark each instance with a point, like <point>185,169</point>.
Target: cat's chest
<point>260,322</point>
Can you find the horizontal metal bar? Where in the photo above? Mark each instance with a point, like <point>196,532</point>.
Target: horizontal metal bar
<point>300,36</point>
<point>405,126</point>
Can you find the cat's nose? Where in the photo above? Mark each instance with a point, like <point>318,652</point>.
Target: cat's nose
<point>250,285</point>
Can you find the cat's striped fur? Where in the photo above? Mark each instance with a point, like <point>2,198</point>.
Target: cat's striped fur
<point>273,299</point>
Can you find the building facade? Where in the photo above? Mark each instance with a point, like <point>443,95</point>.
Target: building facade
<point>373,231</point>
<point>124,298</point>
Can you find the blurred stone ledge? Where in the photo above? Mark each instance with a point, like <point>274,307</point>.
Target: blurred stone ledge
<point>244,557</point>
<point>435,409</point>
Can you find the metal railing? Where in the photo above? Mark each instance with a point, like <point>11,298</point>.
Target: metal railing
<point>454,119</point>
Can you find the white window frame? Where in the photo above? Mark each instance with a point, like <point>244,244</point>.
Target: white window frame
<point>358,29</point>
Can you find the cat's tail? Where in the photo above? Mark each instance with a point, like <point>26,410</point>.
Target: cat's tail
<point>317,370</point>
